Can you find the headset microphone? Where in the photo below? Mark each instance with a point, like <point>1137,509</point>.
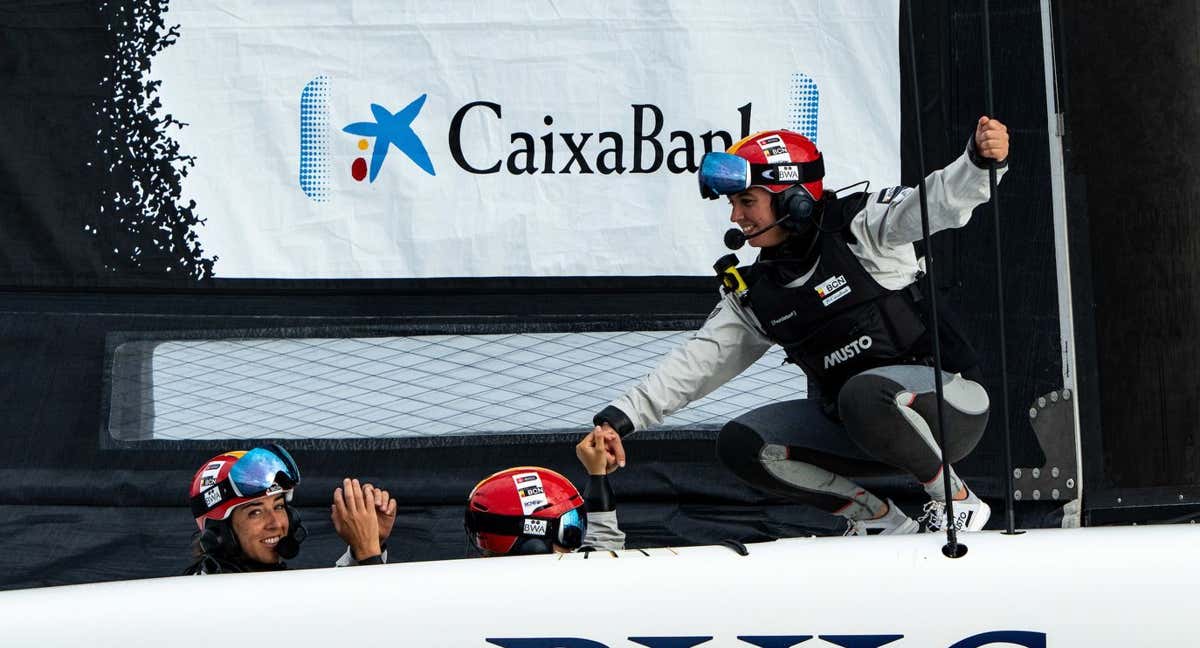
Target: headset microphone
<point>735,238</point>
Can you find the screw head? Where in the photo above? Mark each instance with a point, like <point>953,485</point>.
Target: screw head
<point>1017,495</point>
<point>1054,493</point>
<point>1066,394</point>
<point>1016,473</point>
<point>1041,401</point>
<point>1032,412</point>
<point>1054,472</point>
<point>1119,500</point>
<point>1037,494</point>
<point>1036,472</point>
<point>1053,397</point>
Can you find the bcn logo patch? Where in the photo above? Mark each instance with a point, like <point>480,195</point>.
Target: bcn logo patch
<point>833,289</point>
<point>831,284</point>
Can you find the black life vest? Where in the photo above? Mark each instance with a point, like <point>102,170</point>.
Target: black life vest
<point>840,322</point>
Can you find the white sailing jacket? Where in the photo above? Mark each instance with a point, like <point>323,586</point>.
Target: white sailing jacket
<point>732,338</point>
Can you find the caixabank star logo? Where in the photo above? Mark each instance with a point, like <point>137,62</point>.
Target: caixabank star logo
<point>389,130</point>
<point>647,145</point>
<point>386,130</point>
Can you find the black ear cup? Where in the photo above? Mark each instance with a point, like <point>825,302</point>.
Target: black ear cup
<point>795,209</point>
<point>215,538</point>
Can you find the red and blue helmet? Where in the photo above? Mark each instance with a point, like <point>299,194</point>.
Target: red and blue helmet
<point>233,478</point>
<point>775,160</point>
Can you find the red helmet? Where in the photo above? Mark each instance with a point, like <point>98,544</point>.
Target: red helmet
<point>525,510</point>
<point>233,478</point>
<point>781,147</point>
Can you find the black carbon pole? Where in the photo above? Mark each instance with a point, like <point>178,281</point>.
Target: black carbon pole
<point>1009,504</point>
<point>952,549</point>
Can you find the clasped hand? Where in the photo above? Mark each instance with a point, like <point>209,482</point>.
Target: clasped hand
<point>363,516</point>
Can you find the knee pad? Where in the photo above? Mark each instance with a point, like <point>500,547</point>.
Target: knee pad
<point>738,448</point>
<point>865,396</point>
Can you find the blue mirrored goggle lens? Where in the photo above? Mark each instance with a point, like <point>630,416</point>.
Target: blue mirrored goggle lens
<point>722,174</point>
<point>572,528</point>
<point>261,468</point>
<point>573,518</point>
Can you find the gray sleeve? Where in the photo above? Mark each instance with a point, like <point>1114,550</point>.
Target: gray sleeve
<point>728,343</point>
<point>893,216</point>
<point>603,534</point>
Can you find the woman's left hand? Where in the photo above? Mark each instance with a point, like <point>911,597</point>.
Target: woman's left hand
<point>385,511</point>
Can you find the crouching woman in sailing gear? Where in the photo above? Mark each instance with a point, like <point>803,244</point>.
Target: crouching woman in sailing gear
<point>241,502</point>
<point>836,285</point>
<point>532,510</point>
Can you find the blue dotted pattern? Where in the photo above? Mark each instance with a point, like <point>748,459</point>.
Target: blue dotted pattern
<point>803,97</point>
<point>314,139</point>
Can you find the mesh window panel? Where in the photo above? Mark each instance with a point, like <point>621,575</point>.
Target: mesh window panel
<point>412,386</point>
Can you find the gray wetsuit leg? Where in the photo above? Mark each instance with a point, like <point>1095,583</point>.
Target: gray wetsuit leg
<point>888,416</point>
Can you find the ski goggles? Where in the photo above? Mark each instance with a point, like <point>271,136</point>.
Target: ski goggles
<point>261,471</point>
<point>725,174</point>
<point>534,534</point>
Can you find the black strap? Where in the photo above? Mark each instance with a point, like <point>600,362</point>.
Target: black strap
<point>787,172</point>
<point>509,525</point>
<point>204,502</point>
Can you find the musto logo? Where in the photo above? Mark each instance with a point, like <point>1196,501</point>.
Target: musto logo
<point>646,147</point>
<point>849,351</point>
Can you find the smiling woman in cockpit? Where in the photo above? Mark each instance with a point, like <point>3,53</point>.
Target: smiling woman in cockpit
<point>241,502</point>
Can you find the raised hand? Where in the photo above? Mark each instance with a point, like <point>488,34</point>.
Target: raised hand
<point>385,511</point>
<point>613,449</point>
<point>355,519</point>
<point>991,139</point>
<point>592,454</point>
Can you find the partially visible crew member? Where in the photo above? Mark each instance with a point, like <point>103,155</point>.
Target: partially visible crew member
<point>530,510</point>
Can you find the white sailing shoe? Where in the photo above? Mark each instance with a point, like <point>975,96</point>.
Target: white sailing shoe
<point>894,522</point>
<point>970,514</point>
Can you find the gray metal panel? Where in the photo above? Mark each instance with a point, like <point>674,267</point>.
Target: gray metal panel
<point>1058,197</point>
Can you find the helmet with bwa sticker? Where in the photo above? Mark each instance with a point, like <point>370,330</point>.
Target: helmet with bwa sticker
<point>233,478</point>
<point>525,510</point>
<point>785,164</point>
